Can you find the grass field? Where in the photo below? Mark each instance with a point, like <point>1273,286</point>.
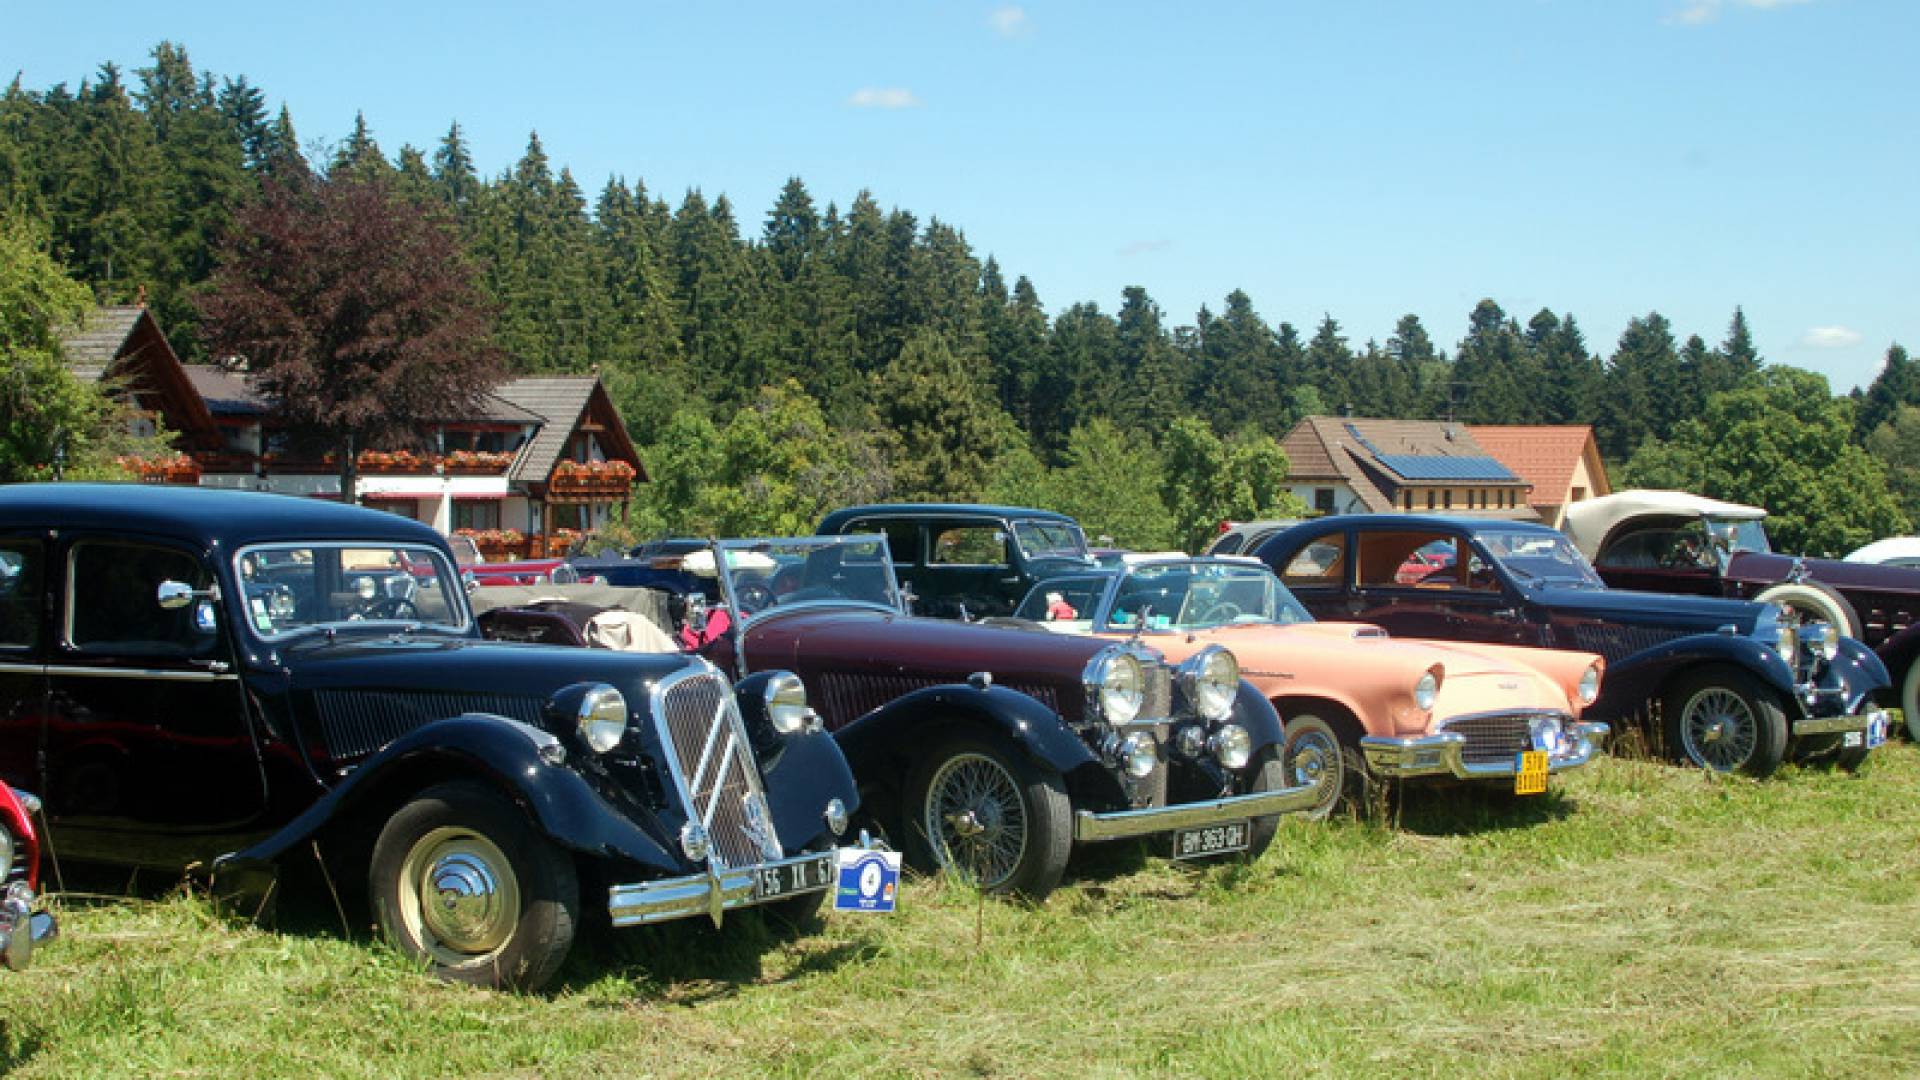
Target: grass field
<point>1641,920</point>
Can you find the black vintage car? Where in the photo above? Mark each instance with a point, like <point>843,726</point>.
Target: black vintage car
<point>962,561</point>
<point>191,675</point>
<point>1738,687</point>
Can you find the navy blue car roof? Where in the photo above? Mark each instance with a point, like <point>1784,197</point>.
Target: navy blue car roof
<point>207,516</point>
<point>832,522</point>
<point>1321,526</point>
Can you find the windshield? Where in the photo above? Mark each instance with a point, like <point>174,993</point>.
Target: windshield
<point>764,574</point>
<point>1192,594</point>
<point>1740,534</point>
<point>1537,556</point>
<point>1050,539</point>
<point>294,587</point>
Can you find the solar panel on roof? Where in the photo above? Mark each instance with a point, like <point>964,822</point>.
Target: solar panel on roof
<point>1441,467</point>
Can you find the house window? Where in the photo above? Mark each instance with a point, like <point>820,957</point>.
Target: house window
<point>1406,500</point>
<point>476,514</point>
<point>1578,494</point>
<point>1446,499</point>
<point>1429,500</point>
<point>1323,500</point>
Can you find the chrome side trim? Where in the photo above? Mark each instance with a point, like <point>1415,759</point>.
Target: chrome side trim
<point>169,674</point>
<point>1120,824</point>
<point>719,889</point>
<point>1439,754</point>
<point>22,669</point>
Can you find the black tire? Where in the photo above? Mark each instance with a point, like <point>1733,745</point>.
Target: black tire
<point>1266,773</point>
<point>466,836</point>
<point>1315,754</point>
<point>1910,699</point>
<point>1724,719</point>
<point>1815,601</point>
<point>1020,809</point>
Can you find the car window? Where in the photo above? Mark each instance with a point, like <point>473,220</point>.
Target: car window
<point>903,537</point>
<point>113,605</point>
<point>1320,565</point>
<point>20,576</point>
<point>1040,539</point>
<point>970,545</point>
<point>1070,599</point>
<point>290,587</point>
<point>1422,558</point>
<point>1683,545</point>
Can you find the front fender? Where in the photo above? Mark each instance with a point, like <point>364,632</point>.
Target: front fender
<point>507,753</point>
<point>897,731</point>
<point>1856,673</point>
<point>1252,710</point>
<point>1633,679</point>
<point>808,771</point>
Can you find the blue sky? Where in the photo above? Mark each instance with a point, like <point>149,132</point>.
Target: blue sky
<point>1350,157</point>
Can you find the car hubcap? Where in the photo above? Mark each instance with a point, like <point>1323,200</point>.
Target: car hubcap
<point>1313,761</point>
<point>975,819</point>
<point>459,895</point>
<point>1718,729</point>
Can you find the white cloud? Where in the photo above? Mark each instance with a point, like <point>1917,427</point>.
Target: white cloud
<point>1698,12</point>
<point>1010,21</point>
<point>1830,337</point>
<point>876,97</point>
<point>1144,247</point>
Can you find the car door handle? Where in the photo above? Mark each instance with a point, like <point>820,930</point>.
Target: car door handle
<point>1507,614</point>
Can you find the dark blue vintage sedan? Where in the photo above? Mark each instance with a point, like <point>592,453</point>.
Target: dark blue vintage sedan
<point>1737,688</point>
<point>242,680</point>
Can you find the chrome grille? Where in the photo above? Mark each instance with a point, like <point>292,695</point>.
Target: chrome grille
<point>358,722</point>
<point>713,767</point>
<point>1615,642</point>
<point>1492,740</point>
<point>845,697</point>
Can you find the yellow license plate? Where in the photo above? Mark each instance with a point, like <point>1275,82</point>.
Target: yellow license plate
<point>1530,778</point>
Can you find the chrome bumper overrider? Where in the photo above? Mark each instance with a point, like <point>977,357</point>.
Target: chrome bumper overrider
<point>1843,725</point>
<point>21,928</point>
<point>1120,824</point>
<point>697,894</point>
<point>1440,754</point>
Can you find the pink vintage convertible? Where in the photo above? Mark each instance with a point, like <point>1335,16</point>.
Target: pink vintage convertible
<point>1359,706</point>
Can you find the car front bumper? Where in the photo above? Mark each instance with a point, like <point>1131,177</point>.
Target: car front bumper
<point>1865,724</point>
<point>22,928</point>
<point>710,894</point>
<point>1440,754</point>
<point>1089,826</point>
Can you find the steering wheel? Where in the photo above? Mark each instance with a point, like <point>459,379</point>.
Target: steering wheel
<point>753,596</point>
<point>391,607</point>
<point>1224,611</point>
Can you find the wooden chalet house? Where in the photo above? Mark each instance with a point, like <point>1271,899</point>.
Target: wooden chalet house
<point>546,459</point>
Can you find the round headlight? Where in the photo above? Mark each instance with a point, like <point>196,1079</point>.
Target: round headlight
<point>787,703</point>
<point>836,816</point>
<point>1590,684</point>
<point>1211,678</point>
<point>602,720</point>
<point>1232,746</point>
<point>1427,689</point>
<point>1139,754</point>
<point>1545,732</point>
<point>1117,685</point>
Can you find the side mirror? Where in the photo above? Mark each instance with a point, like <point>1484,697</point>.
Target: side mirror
<point>174,595</point>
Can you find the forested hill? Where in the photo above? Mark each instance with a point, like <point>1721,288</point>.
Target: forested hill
<point>938,371</point>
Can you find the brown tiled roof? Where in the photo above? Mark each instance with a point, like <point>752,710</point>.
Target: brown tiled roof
<point>226,393</point>
<point>560,401</point>
<point>1545,455</point>
<point>92,345</point>
<point>1347,449</point>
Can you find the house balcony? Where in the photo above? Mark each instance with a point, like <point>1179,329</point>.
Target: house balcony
<point>596,481</point>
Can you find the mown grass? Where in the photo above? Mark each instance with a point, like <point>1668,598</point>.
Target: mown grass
<point>1643,921</point>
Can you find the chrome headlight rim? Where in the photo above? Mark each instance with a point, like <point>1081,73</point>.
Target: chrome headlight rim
<point>785,697</point>
<point>1106,679</point>
<point>602,718</point>
<point>1426,690</point>
<point>1232,746</point>
<point>1588,690</point>
<point>1210,679</point>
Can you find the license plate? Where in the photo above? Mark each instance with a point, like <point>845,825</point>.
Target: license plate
<point>810,875</point>
<point>1530,773</point>
<point>1876,732</point>
<point>1212,840</point>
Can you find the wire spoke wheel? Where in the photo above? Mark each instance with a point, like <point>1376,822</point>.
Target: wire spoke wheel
<point>976,818</point>
<point>1718,729</point>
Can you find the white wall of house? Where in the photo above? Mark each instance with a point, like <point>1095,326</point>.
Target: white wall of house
<point>1344,500</point>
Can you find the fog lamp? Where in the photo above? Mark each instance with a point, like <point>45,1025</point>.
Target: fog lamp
<point>694,841</point>
<point>1232,746</point>
<point>836,816</point>
<point>1191,740</point>
<point>1139,754</point>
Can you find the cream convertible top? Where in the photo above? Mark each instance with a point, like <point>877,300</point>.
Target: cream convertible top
<point>1590,520</point>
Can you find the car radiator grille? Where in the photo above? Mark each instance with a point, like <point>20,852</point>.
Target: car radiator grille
<point>713,766</point>
<point>1615,642</point>
<point>845,697</point>
<point>1492,740</point>
<point>354,723</point>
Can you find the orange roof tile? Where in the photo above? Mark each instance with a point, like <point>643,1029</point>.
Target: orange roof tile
<point>1545,455</point>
